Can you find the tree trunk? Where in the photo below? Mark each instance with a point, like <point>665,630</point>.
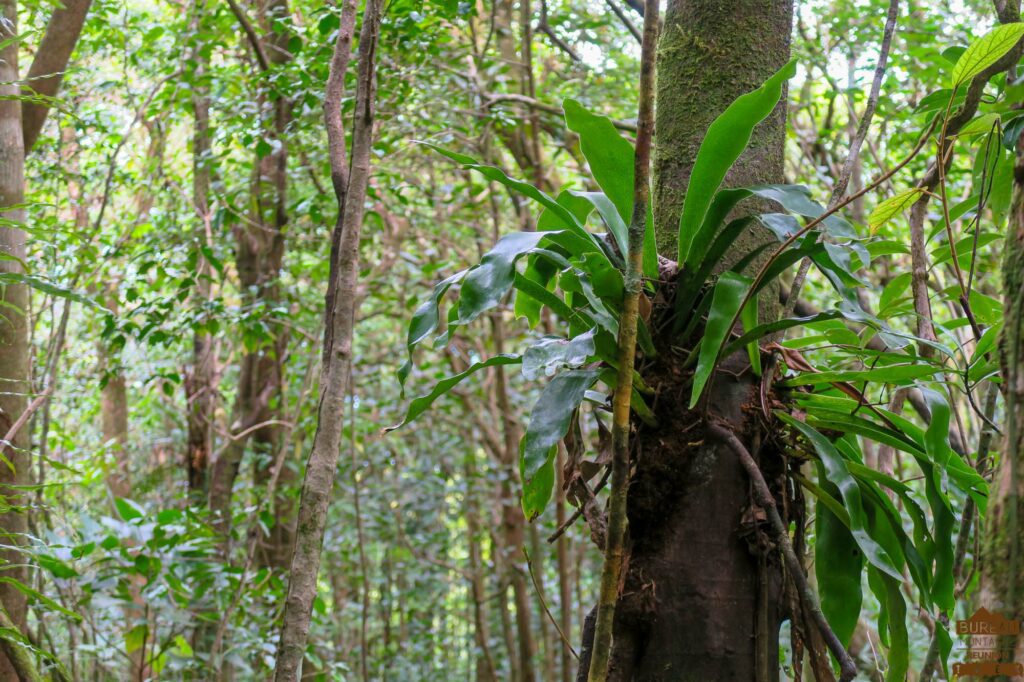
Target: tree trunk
<point>485,669</point>
<point>114,411</point>
<point>1002,565</point>
<point>710,53</point>
<point>47,70</point>
<point>693,595</point>
<point>259,255</point>
<point>200,379</point>
<point>14,351</point>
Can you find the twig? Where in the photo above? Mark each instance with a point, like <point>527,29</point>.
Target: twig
<point>579,510</point>
<point>855,144</point>
<point>625,20</point>
<point>543,602</point>
<point>250,33</point>
<point>494,98</point>
<point>763,496</point>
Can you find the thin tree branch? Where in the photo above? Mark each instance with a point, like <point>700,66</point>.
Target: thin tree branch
<point>543,602</point>
<point>843,181</point>
<point>250,33</point>
<point>495,98</point>
<point>763,497</point>
<point>614,6</point>
<point>336,375</point>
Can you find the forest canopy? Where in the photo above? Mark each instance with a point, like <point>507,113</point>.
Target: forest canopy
<point>530,340</point>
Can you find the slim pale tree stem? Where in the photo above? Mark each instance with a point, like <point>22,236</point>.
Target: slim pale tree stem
<point>339,325</point>
<point>843,181</point>
<point>615,540</point>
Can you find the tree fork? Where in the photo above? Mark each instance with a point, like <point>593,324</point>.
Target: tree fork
<point>615,539</point>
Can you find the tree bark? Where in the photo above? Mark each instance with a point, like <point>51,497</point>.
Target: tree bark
<point>513,523</point>
<point>710,53</point>
<point>339,325</point>
<point>485,668</point>
<point>692,594</point>
<point>1002,564</point>
<point>14,351</point>
<point>260,245</point>
<point>200,379</point>
<point>47,70</point>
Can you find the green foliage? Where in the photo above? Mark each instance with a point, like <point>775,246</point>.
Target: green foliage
<point>549,422</point>
<point>147,574</point>
<point>985,52</point>
<point>726,300</point>
<point>725,140</point>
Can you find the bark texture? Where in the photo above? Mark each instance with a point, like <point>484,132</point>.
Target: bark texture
<point>350,180</point>
<point>47,70</point>
<point>200,379</point>
<point>710,53</point>
<point>1002,568</point>
<point>14,357</point>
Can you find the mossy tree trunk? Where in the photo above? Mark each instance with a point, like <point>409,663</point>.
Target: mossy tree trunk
<point>697,602</point>
<point>1002,566</point>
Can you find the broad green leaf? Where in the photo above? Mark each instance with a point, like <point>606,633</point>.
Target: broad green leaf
<point>936,442</point>
<point>1012,132</point>
<point>899,638</point>
<point>892,207</point>
<point>889,374</point>
<point>47,287</point>
<point>552,353</point>
<point>945,646</point>
<point>840,414</point>
<point>129,510</point>
<point>549,422</point>
<point>692,280</point>
<point>729,292</point>
<point>537,494</point>
<point>420,405</point>
<point>611,159</point>
<point>986,51</point>
<point>723,144</point>
<point>608,153</point>
<point>618,227</point>
<point>40,597</point>
<point>487,283</point>
<point>839,474</point>
<point>424,321</point>
<point>764,330</point>
<point>57,567</point>
<point>540,272</point>
<point>539,297</point>
<point>182,648</point>
<point>980,125</point>
<point>838,563</point>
